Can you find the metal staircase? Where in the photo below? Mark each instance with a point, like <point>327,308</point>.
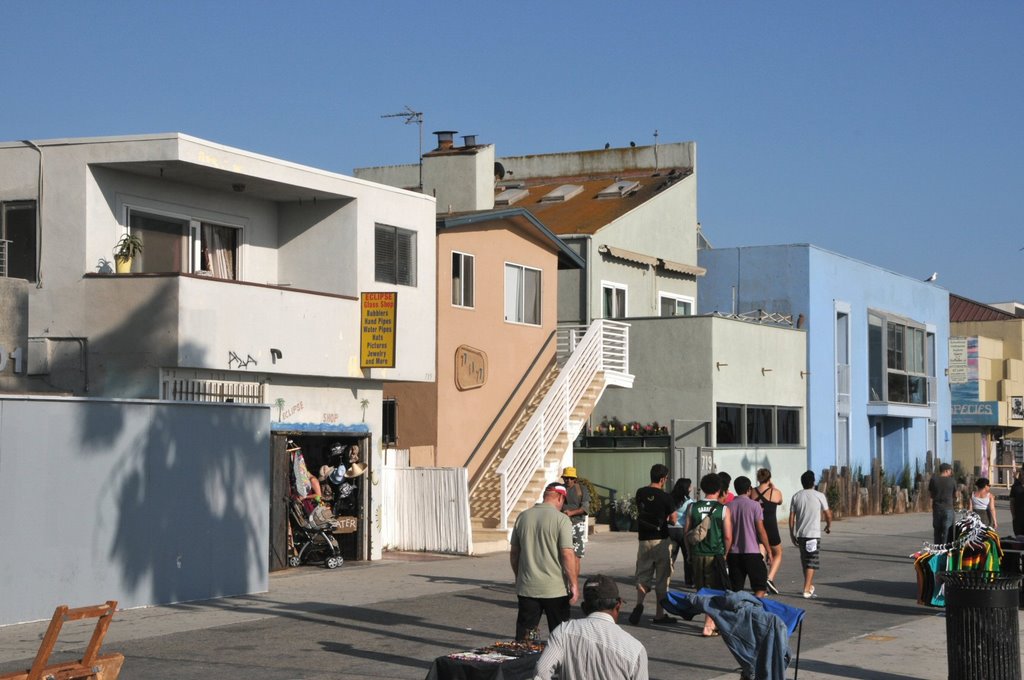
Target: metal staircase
<point>539,443</point>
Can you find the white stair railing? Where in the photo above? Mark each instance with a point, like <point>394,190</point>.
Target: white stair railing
<point>604,346</point>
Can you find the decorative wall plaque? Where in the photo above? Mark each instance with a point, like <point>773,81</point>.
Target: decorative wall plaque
<point>470,368</point>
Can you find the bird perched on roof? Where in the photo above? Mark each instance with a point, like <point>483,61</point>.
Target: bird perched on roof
<point>607,145</point>
<point>931,278</point>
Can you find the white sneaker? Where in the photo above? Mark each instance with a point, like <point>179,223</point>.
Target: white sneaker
<point>808,594</point>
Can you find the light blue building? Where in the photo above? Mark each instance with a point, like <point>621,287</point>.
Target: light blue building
<point>877,349</point>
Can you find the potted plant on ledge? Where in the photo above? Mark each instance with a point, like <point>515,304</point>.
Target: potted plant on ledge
<point>125,250</point>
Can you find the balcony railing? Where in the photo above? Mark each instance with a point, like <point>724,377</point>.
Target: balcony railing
<point>3,258</point>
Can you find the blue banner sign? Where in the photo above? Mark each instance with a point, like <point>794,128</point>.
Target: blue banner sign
<point>976,413</point>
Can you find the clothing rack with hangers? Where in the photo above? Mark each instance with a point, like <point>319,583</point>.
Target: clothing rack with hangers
<point>975,547</point>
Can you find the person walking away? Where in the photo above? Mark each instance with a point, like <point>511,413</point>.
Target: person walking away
<point>677,532</point>
<point>544,564</point>
<point>727,494</point>
<point>983,502</point>
<point>655,511</point>
<point>594,648</point>
<point>707,556</point>
<point>577,503</point>
<point>806,509</point>
<point>943,492</point>
<point>1017,503</point>
<point>745,559</point>
<point>770,499</point>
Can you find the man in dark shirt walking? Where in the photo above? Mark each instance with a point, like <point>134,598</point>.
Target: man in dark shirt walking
<point>655,511</point>
<point>943,491</point>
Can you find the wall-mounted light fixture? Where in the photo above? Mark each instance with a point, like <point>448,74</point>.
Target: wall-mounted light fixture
<point>765,370</point>
<point>719,364</point>
<point>803,374</point>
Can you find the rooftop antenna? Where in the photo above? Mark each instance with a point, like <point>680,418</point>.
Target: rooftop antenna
<point>412,117</point>
<point>655,150</point>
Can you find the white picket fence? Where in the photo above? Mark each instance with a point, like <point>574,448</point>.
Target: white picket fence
<point>425,509</point>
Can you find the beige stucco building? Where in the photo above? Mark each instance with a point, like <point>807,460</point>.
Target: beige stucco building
<point>987,384</point>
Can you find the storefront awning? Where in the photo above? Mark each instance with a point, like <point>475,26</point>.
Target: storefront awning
<point>314,428</point>
<point>623,254</point>
<point>680,268</point>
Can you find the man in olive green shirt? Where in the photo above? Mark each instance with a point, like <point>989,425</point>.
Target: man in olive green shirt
<point>544,563</point>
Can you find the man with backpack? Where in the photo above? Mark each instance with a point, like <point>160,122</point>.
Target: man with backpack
<point>709,535</point>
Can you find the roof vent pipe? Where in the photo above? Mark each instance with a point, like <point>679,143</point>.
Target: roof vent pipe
<point>445,139</point>
<point>469,141</point>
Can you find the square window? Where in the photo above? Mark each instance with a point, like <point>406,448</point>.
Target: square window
<point>394,255</point>
<point>674,305</point>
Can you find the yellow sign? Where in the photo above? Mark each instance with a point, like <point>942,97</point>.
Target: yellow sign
<point>377,335</point>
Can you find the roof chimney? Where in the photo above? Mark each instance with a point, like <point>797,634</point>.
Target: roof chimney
<point>445,139</point>
<point>469,141</point>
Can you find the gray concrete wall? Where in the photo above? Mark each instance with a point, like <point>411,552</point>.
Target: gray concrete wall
<point>140,502</point>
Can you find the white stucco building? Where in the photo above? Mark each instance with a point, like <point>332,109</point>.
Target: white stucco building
<point>247,288</point>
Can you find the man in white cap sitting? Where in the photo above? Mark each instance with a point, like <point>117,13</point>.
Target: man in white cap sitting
<point>594,648</point>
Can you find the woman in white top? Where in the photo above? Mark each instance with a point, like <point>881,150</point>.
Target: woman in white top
<point>983,503</point>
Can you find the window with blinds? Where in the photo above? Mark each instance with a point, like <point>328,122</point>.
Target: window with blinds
<point>394,255</point>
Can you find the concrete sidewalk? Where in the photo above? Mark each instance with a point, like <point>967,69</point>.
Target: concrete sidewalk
<point>390,619</point>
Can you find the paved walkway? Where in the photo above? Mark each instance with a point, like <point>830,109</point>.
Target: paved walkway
<point>390,619</point>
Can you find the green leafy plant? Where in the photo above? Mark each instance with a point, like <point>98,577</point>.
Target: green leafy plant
<point>626,507</point>
<point>595,499</point>
<point>127,247</point>
<point>832,495</point>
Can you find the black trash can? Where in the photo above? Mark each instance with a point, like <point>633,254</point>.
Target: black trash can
<point>982,634</point>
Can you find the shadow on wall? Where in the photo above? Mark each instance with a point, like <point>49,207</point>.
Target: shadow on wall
<point>189,487</point>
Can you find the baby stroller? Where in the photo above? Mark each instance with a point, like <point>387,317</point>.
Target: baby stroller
<point>312,538</point>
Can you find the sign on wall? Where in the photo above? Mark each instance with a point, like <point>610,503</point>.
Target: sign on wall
<point>377,334</point>
<point>963,369</point>
<point>977,413</point>
<point>957,360</point>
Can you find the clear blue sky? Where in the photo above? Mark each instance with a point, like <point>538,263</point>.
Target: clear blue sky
<point>887,131</point>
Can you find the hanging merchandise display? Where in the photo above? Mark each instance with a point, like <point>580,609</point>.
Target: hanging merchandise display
<point>975,547</point>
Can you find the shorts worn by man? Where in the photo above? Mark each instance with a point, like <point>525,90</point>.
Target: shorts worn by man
<point>655,511</point>
<point>544,563</point>
<point>577,503</point>
<point>806,508</point>
<point>594,648</point>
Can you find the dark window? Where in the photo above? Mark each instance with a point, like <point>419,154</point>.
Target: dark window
<point>730,424</point>
<point>744,425</point>
<point>389,436</point>
<point>759,425</point>
<point>163,241</point>
<point>395,255</point>
<point>18,229</point>
<point>788,430</point>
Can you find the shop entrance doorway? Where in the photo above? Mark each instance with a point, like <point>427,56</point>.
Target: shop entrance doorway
<point>346,491</point>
